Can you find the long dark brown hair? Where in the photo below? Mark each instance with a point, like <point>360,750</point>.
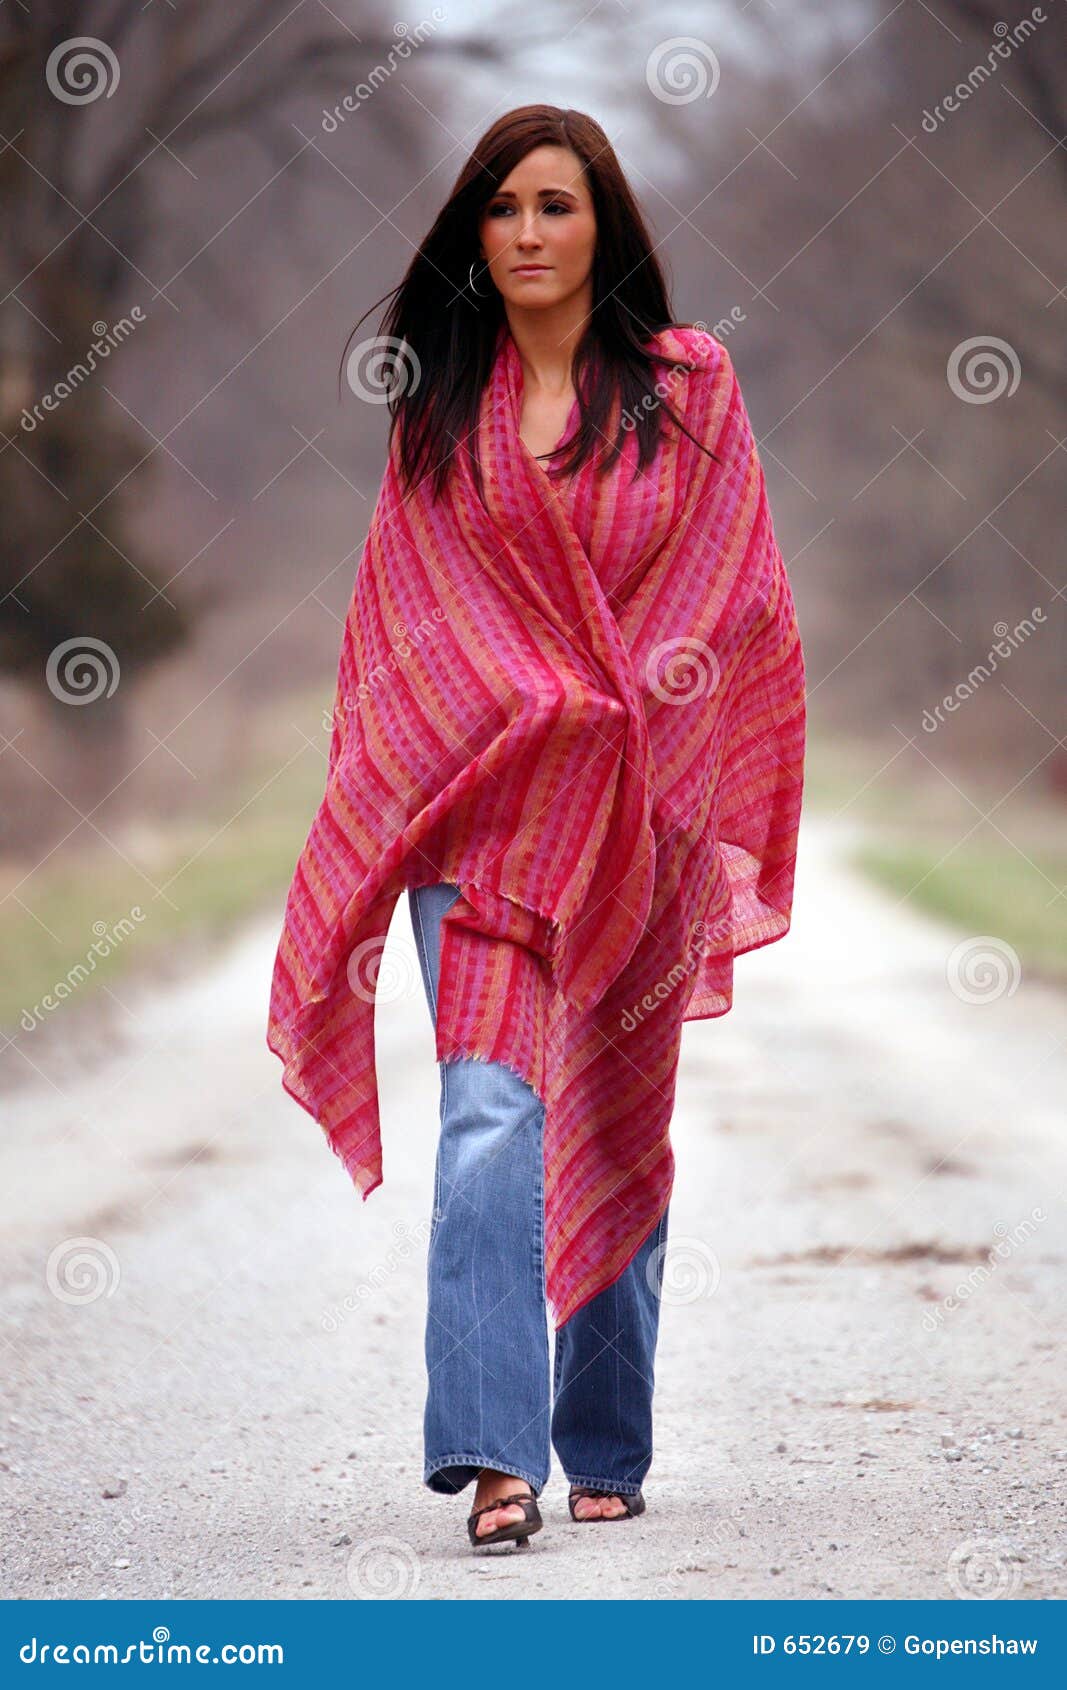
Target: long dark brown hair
<point>438,327</point>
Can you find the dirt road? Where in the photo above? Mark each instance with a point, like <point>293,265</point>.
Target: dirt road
<point>861,1369</point>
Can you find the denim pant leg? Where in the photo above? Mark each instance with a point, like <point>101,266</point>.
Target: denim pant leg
<point>487,1355</point>
<point>604,1374</point>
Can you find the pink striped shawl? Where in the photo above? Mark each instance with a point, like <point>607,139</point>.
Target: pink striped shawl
<point>583,703</point>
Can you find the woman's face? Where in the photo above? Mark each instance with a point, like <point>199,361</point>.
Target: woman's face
<point>541,215</point>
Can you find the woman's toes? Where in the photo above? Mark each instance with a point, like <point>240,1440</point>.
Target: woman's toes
<point>599,1507</point>
<point>588,1508</point>
<point>499,1517</point>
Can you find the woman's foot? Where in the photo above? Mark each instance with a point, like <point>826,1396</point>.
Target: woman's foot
<point>491,1484</point>
<point>588,1502</point>
<point>599,1507</point>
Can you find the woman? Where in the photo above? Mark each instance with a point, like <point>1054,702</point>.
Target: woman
<point>570,722</point>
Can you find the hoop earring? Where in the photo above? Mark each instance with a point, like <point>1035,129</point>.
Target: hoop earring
<point>472,287</point>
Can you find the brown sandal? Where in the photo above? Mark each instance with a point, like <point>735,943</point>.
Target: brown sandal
<point>516,1531</point>
<point>634,1505</point>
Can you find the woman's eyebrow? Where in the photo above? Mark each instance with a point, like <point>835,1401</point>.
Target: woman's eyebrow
<point>542,193</point>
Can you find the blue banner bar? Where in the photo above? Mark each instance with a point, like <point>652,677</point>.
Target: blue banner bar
<point>771,1643</point>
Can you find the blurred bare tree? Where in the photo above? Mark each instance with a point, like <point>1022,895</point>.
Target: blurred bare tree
<point>82,212</point>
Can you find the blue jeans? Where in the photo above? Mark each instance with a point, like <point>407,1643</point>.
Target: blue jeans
<point>487,1355</point>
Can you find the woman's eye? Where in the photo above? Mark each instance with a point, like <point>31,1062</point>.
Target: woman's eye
<point>553,205</point>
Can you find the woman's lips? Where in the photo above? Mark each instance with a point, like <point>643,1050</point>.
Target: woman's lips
<point>532,269</point>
